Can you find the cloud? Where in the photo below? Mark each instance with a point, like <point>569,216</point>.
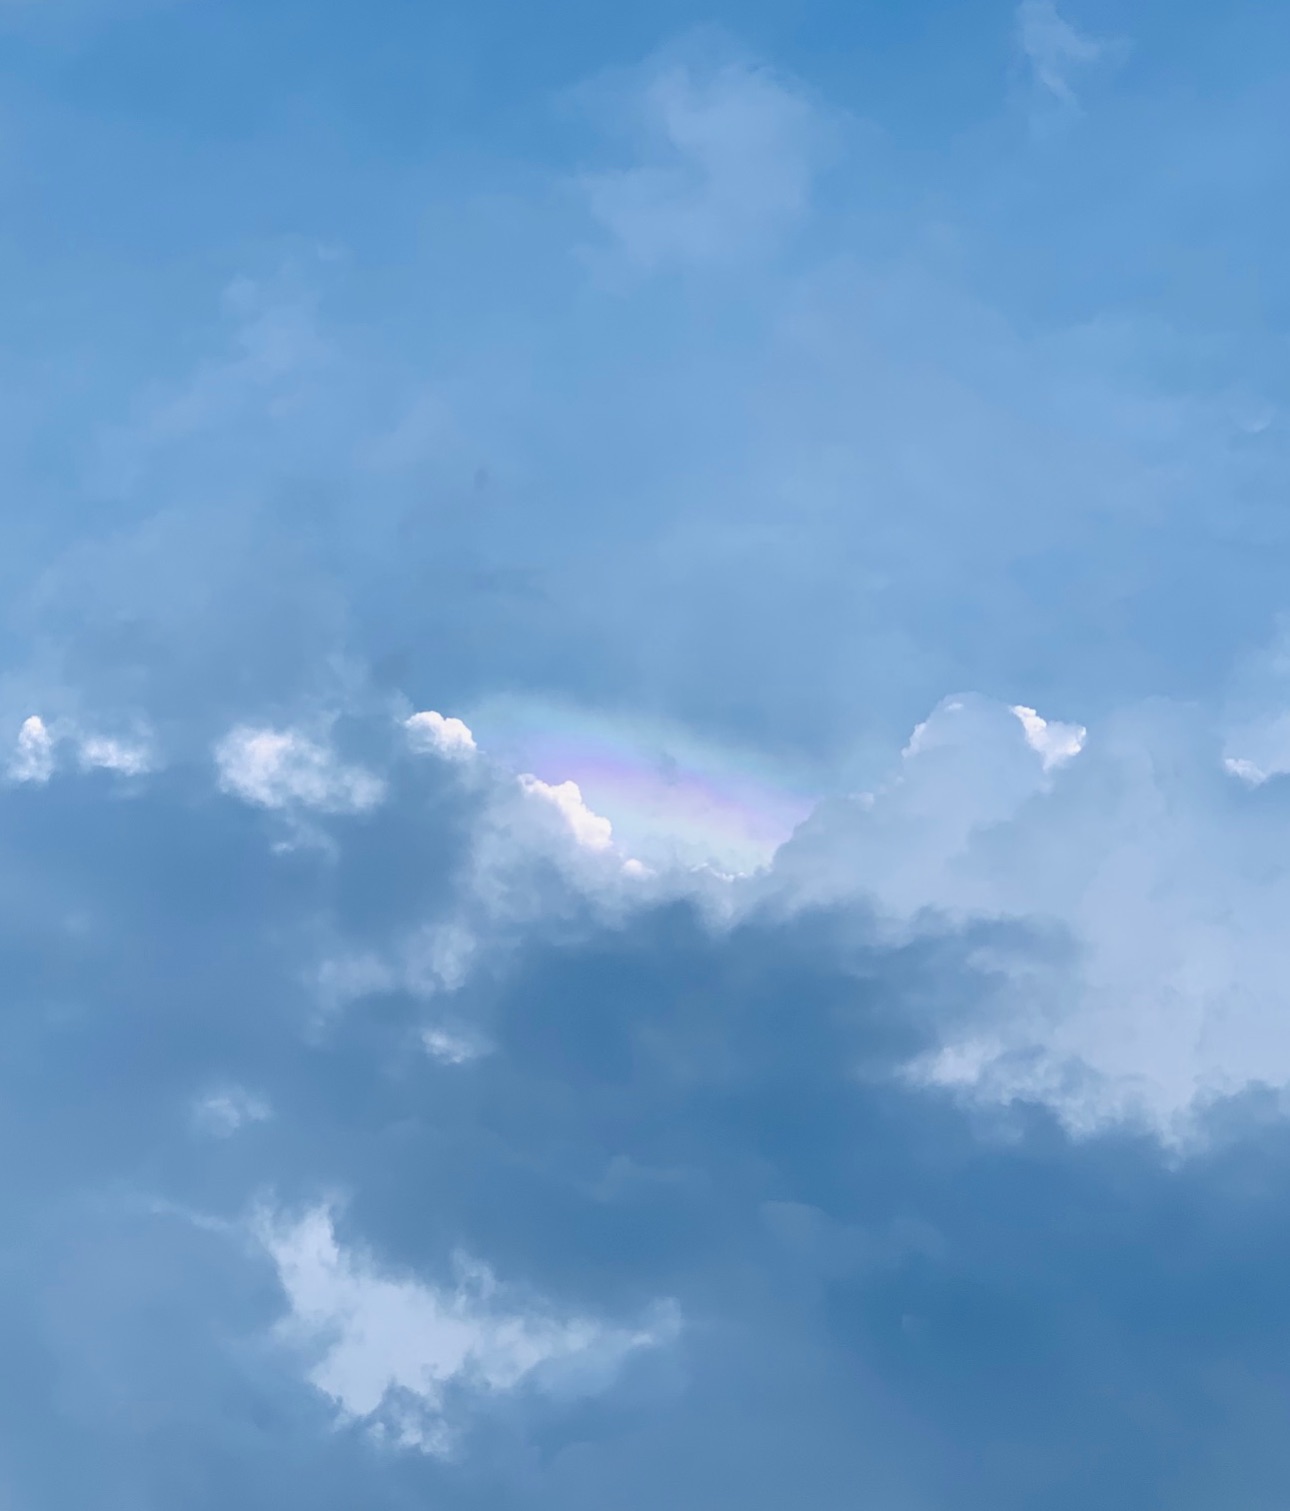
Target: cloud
<point>33,758</point>
<point>1054,743</point>
<point>450,1048</point>
<point>1246,770</point>
<point>277,768</point>
<point>99,751</point>
<point>730,155</point>
<point>223,1112</point>
<point>36,752</point>
<point>274,353</point>
<point>589,829</point>
<point>1158,990</point>
<point>1165,991</point>
<point>445,736</point>
<point>680,1117</point>
<point>956,1130</point>
<point>1056,50</point>
<point>1260,747</point>
<point>394,1347</point>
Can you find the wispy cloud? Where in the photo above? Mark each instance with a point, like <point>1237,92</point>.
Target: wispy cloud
<point>1057,51</point>
<point>728,154</point>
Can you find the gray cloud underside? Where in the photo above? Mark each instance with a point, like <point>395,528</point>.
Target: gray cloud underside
<point>883,1293</point>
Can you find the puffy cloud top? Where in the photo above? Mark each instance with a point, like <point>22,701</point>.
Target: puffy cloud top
<point>446,736</point>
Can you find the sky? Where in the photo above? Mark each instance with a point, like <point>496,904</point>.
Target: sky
<point>644,755</point>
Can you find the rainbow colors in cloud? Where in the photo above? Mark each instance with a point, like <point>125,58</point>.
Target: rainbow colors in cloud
<point>672,799</point>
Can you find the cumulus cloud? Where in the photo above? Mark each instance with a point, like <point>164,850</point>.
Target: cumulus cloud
<point>1166,993</point>
<point>1169,989</point>
<point>33,757</point>
<point>276,768</point>
<point>737,1121</point>
<point>449,737</point>
<point>1054,743</point>
<point>1162,996</point>
<point>957,1132</point>
<point>589,829</point>
<point>36,751</point>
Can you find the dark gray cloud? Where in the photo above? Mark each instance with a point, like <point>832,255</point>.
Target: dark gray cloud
<point>881,1293</point>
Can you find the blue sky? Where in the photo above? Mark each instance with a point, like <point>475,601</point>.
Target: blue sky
<point>645,699</point>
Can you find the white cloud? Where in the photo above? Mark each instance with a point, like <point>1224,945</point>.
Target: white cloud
<point>675,802</point>
<point>222,1112</point>
<point>1168,884</point>
<point>1056,49</point>
<point>97,751</point>
<point>1259,748</point>
<point>33,757</point>
<point>391,1347</point>
<point>434,958</point>
<point>966,768</point>
<point>431,731</point>
<point>1247,771</point>
<point>35,753</point>
<point>589,829</point>
<point>734,152</point>
<point>451,1048</point>
<point>1054,743</point>
<point>342,979</point>
<point>276,768</point>
<point>438,958</point>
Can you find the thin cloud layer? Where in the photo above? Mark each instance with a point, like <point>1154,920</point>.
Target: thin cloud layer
<point>731,152</point>
<point>1056,50</point>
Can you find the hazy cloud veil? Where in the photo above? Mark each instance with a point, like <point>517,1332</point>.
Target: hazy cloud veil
<point>645,679</point>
